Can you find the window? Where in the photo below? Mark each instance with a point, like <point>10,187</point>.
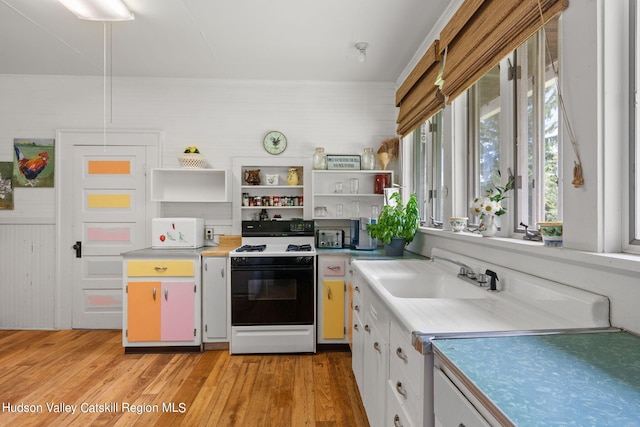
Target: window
<point>634,146</point>
<point>513,120</point>
<point>428,157</point>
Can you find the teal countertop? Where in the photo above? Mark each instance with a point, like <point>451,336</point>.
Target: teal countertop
<point>364,255</point>
<point>588,379</point>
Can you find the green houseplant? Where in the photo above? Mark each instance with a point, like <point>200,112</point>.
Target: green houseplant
<point>397,224</point>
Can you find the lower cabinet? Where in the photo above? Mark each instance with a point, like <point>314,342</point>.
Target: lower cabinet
<point>332,291</point>
<point>160,311</point>
<point>215,310</point>
<point>451,406</point>
<point>161,302</point>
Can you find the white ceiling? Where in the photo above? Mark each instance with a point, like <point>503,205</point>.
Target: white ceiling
<point>226,39</point>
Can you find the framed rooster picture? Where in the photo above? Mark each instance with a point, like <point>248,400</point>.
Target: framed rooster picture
<point>33,162</point>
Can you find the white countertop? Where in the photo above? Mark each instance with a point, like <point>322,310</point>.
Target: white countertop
<point>523,303</point>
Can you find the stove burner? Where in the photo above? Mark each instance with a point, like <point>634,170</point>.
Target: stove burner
<point>299,248</point>
<point>251,248</point>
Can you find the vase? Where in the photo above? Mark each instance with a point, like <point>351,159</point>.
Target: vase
<point>292,176</point>
<point>488,227</point>
<point>396,247</point>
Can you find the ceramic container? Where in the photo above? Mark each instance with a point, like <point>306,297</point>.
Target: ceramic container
<point>551,233</point>
<point>458,224</point>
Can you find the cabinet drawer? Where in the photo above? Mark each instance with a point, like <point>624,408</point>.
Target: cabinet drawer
<point>163,268</point>
<point>405,360</point>
<point>333,266</point>
<point>451,407</point>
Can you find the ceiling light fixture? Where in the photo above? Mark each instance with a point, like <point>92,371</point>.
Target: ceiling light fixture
<point>99,10</point>
<point>362,51</point>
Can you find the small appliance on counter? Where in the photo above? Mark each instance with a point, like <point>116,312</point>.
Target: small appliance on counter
<point>171,233</point>
<point>330,238</point>
<point>360,238</point>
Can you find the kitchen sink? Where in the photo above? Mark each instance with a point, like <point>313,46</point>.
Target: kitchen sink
<point>430,285</point>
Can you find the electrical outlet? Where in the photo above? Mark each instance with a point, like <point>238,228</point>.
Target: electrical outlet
<point>208,233</point>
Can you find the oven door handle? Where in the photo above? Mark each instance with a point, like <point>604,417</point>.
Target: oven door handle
<point>271,268</point>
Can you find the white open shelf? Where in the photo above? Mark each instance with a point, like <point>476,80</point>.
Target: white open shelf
<point>189,185</point>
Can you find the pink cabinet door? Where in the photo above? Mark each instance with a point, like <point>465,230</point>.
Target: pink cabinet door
<point>178,311</point>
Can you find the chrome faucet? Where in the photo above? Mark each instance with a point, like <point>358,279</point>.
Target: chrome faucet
<point>466,273</point>
<point>465,270</point>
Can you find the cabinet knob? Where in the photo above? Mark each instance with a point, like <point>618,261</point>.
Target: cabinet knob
<point>376,346</point>
<point>396,421</point>
<point>356,288</point>
<point>329,292</point>
<point>367,328</point>
<point>160,269</point>
<point>401,354</point>
<point>401,389</point>
<point>166,294</point>
<point>356,307</point>
<point>355,326</point>
<point>154,294</point>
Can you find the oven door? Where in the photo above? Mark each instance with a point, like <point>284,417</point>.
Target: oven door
<point>272,291</point>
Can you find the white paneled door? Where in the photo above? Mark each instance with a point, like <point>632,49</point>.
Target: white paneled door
<point>109,218</point>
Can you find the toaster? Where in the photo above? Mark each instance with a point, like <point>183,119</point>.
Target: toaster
<point>330,238</point>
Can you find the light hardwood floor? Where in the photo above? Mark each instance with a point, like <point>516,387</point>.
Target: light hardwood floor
<point>89,370</point>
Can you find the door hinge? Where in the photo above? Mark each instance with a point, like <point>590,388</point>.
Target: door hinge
<point>514,72</point>
<point>194,332</point>
<point>206,328</point>
<point>433,127</point>
<point>126,289</point>
<point>205,267</point>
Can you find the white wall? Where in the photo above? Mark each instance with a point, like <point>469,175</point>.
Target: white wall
<point>225,119</point>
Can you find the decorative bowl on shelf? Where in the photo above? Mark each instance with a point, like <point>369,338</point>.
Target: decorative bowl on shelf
<point>192,160</point>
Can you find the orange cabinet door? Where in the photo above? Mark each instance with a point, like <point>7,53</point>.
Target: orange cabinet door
<point>143,311</point>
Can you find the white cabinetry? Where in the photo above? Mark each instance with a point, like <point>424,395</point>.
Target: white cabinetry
<point>189,185</point>
<point>406,385</point>
<point>333,190</point>
<point>370,352</point>
<point>455,403</point>
<point>215,320</point>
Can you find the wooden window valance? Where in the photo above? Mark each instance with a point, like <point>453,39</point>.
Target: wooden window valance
<point>482,32</point>
<point>418,96</point>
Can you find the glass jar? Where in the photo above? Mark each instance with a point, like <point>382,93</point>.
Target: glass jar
<point>319,159</point>
<point>368,159</point>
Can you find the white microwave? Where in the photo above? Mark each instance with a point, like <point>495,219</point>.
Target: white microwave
<point>177,233</point>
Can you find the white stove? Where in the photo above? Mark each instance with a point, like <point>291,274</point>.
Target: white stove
<point>273,288</point>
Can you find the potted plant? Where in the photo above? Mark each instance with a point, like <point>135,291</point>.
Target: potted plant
<point>397,224</point>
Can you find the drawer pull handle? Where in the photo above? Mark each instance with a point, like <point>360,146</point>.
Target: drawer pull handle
<point>401,389</point>
<point>396,421</point>
<point>329,292</point>
<point>166,294</point>
<point>154,294</point>
<point>377,347</point>
<point>357,289</point>
<point>356,308</point>
<point>333,267</point>
<point>355,327</point>
<point>401,354</point>
<point>160,269</point>
<point>367,328</point>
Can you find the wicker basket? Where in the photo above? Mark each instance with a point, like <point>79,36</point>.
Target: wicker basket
<point>192,160</point>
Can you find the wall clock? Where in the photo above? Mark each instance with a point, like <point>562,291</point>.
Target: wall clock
<point>275,142</point>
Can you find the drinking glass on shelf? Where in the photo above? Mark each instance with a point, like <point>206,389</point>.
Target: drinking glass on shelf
<point>338,188</point>
<point>355,209</point>
<point>375,211</point>
<point>339,211</point>
<point>355,185</point>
